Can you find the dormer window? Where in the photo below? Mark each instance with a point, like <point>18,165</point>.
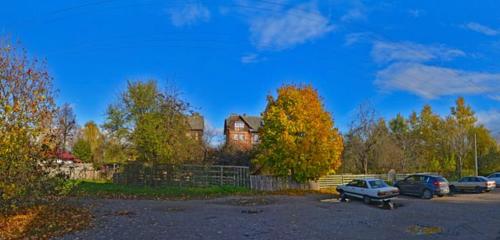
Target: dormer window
<point>239,125</point>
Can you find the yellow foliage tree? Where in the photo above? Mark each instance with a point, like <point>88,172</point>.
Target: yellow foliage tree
<point>26,138</point>
<point>298,138</point>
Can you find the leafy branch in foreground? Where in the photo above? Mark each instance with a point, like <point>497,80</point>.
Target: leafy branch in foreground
<point>27,140</point>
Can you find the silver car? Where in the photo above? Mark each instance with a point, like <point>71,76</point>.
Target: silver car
<point>473,184</point>
<point>495,177</point>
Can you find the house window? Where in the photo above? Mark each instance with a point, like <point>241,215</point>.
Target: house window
<point>239,137</point>
<point>239,125</point>
<point>255,138</point>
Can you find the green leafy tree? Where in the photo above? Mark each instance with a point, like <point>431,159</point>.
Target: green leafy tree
<point>82,150</point>
<point>152,125</point>
<point>298,138</point>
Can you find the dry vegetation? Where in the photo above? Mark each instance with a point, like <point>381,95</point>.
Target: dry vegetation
<point>44,222</point>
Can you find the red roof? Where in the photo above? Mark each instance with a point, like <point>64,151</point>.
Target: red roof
<point>67,156</point>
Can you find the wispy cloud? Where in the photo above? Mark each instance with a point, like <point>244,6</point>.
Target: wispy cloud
<point>251,58</point>
<point>476,27</point>
<point>495,97</point>
<point>385,52</point>
<point>432,82</point>
<point>416,12</point>
<point>288,28</point>
<point>189,14</point>
<point>353,14</point>
<point>354,38</point>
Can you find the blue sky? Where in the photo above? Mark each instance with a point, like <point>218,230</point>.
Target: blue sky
<point>226,56</point>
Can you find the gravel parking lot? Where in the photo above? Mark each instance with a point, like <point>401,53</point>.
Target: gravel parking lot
<point>463,216</point>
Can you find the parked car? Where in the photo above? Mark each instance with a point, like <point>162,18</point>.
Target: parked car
<point>370,190</point>
<point>422,185</point>
<point>473,184</point>
<point>495,177</point>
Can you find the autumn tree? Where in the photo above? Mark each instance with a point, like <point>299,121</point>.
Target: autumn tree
<point>152,123</point>
<point>89,145</point>
<point>95,139</point>
<point>488,151</point>
<point>465,121</point>
<point>359,141</point>
<point>27,111</point>
<point>298,138</point>
<point>66,125</point>
<point>401,133</point>
<point>369,145</point>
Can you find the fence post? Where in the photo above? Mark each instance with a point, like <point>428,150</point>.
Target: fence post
<point>221,176</point>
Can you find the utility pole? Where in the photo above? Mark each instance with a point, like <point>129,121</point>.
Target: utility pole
<point>475,153</point>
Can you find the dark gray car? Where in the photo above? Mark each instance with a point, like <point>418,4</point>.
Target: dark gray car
<point>425,186</point>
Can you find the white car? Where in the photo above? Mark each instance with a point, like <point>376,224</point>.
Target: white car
<point>495,177</point>
<point>370,190</point>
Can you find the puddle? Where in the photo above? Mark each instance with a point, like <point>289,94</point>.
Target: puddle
<point>424,230</point>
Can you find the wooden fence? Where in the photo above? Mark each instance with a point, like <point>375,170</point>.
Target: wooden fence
<point>182,175</point>
<point>270,183</point>
<point>332,181</point>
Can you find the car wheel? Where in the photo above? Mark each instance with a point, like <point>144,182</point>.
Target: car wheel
<point>367,200</point>
<point>478,190</point>
<point>427,194</point>
<point>453,189</point>
<point>342,197</point>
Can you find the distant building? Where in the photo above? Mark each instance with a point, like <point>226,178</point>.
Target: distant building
<point>197,126</point>
<point>63,157</point>
<point>242,130</point>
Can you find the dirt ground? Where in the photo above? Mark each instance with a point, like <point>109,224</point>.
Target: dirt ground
<point>463,216</point>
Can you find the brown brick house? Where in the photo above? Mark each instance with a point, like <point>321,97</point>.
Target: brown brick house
<point>242,130</point>
<point>196,125</point>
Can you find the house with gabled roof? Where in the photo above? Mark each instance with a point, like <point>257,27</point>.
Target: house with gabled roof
<point>242,130</point>
<point>196,126</point>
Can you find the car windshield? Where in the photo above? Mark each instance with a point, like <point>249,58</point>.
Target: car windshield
<point>377,184</point>
<point>441,179</point>
<point>482,179</point>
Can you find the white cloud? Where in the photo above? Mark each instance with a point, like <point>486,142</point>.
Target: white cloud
<point>495,97</point>
<point>353,14</point>
<point>384,52</point>
<point>190,14</point>
<point>286,29</point>
<point>432,82</point>
<point>250,58</point>
<point>476,27</point>
<point>490,119</point>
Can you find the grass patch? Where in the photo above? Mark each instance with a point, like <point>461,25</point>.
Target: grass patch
<point>111,190</point>
<point>44,221</point>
